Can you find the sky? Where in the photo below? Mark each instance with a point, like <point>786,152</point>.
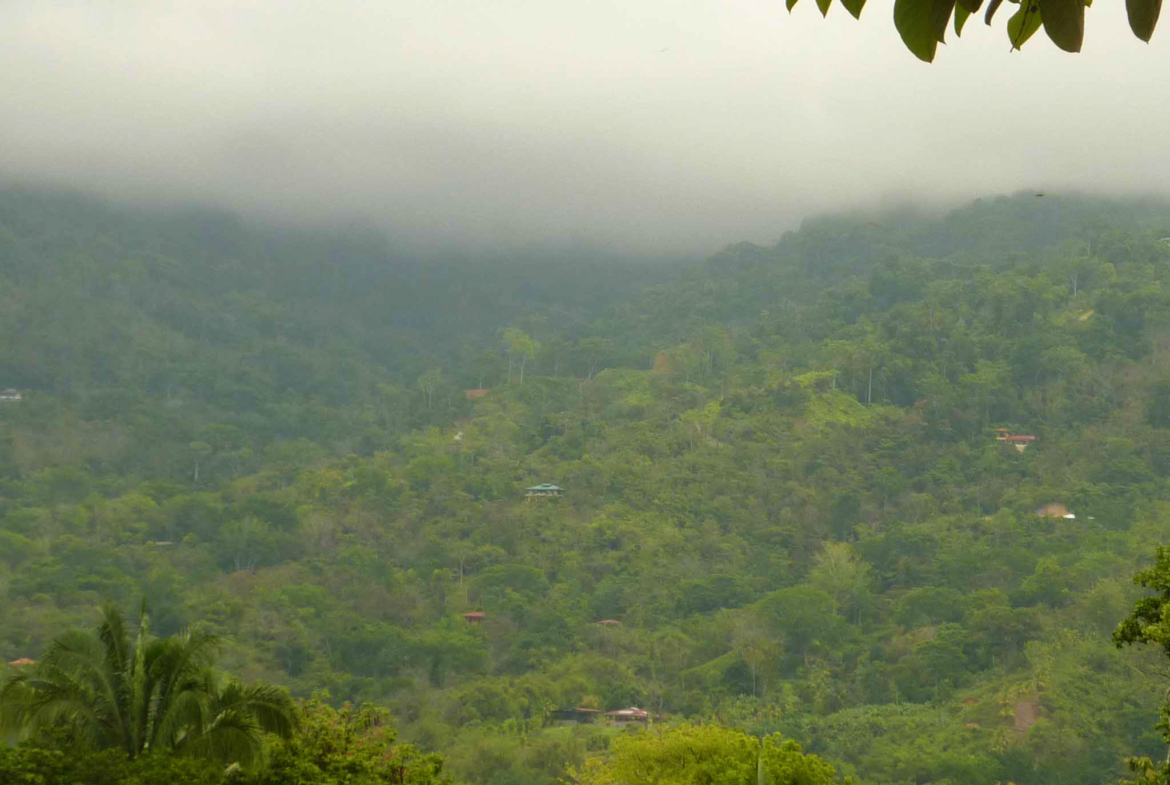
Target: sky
<point>640,125</point>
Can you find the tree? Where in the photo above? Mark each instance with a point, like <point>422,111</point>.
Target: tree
<point>922,24</point>
<point>755,647</point>
<point>200,451</point>
<point>1149,622</point>
<point>519,343</point>
<point>350,745</point>
<point>1158,408</point>
<point>428,383</point>
<point>706,755</point>
<point>146,695</point>
<point>593,351</point>
<point>245,542</point>
<point>840,574</point>
<point>805,615</point>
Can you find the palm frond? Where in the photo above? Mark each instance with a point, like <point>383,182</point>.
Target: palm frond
<point>271,706</point>
<point>116,642</point>
<point>185,653</point>
<point>179,665</point>
<point>231,737</point>
<point>115,639</point>
<point>75,649</point>
<point>81,656</point>
<point>186,714</point>
<point>50,696</point>
<point>14,701</point>
<point>140,687</point>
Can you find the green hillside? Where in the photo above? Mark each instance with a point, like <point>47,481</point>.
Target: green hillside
<point>780,466</point>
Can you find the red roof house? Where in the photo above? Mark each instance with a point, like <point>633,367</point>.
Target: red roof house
<point>1018,440</point>
<point>632,714</point>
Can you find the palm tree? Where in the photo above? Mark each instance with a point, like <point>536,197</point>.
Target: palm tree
<point>146,695</point>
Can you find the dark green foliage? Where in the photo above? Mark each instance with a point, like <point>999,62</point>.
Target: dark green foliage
<point>350,746</point>
<point>31,764</point>
<point>922,24</point>
<point>106,691</point>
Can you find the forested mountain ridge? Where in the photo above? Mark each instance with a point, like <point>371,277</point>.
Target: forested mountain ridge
<point>159,323</point>
<point>781,469</point>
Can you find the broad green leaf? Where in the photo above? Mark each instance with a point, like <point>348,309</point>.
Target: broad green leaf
<point>1143,17</point>
<point>913,18</point>
<point>824,6</point>
<point>971,6</point>
<point>854,7</point>
<point>791,4</point>
<point>992,7</point>
<point>1024,23</point>
<point>940,15</point>
<point>1064,21</point>
<point>961,16</point>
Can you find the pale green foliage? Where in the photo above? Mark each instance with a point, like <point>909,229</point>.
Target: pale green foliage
<point>838,572</point>
<point>519,344</point>
<point>837,408</point>
<point>706,755</point>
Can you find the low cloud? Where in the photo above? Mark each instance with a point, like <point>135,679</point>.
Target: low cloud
<point>650,125</point>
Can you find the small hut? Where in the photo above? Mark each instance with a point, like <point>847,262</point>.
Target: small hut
<point>10,395</point>
<point>475,617</point>
<point>1021,441</point>
<point>22,662</point>
<point>544,491</point>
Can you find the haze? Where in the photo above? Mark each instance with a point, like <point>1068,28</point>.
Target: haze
<point>646,125</point>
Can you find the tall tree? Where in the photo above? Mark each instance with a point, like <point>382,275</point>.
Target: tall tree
<point>519,344</point>
<point>428,383</point>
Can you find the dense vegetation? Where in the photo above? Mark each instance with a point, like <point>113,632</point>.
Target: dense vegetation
<point>781,467</point>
